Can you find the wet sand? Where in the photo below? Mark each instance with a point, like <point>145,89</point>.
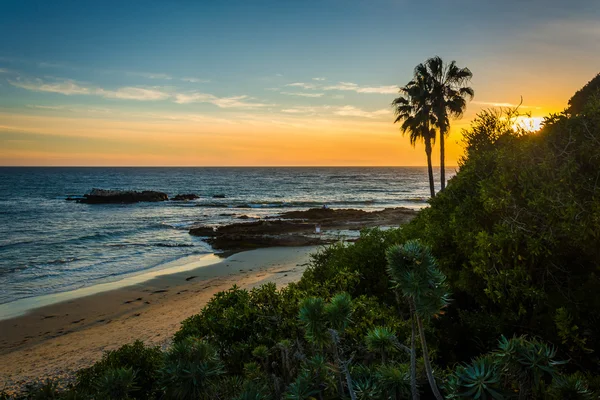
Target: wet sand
<point>55,340</point>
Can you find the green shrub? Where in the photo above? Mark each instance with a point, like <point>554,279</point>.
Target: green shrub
<point>144,362</point>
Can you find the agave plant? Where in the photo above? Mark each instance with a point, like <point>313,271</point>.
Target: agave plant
<point>416,277</point>
<point>365,382</point>
<point>116,383</point>
<point>571,387</point>
<point>191,370</point>
<point>530,362</point>
<point>480,380</point>
<point>381,340</point>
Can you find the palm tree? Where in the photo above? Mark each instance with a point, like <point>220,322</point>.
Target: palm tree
<point>414,110</point>
<point>448,93</point>
<point>415,276</point>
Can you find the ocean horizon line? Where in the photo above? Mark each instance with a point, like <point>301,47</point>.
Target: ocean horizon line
<point>222,166</point>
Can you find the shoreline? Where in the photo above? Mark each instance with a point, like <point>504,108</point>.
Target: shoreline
<point>57,339</point>
<point>21,307</point>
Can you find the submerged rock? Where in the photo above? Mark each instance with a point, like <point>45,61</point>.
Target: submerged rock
<point>218,196</point>
<point>185,197</point>
<point>103,196</point>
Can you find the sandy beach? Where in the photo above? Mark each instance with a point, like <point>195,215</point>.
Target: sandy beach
<point>55,340</point>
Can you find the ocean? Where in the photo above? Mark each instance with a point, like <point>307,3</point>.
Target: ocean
<point>49,245</point>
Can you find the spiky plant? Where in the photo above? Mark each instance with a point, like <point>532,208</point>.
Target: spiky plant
<point>365,382</point>
<point>116,383</point>
<point>394,380</point>
<point>252,391</point>
<point>381,340</point>
<point>314,319</point>
<point>479,380</point>
<point>571,387</point>
<point>339,311</point>
<point>262,353</point>
<point>302,388</point>
<point>191,370</point>
<point>339,314</point>
<point>415,276</point>
<point>529,362</point>
<point>230,386</point>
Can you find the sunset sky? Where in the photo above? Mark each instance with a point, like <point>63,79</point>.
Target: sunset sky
<point>267,82</point>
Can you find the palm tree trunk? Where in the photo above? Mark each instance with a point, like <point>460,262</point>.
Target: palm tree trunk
<point>429,167</point>
<point>428,369</point>
<point>442,158</point>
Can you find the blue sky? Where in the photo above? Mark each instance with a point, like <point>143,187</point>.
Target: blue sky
<point>210,63</point>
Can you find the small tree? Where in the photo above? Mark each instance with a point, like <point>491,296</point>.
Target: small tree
<point>381,340</point>
<point>416,277</point>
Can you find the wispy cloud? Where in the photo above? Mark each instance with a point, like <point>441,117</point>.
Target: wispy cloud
<point>351,111</point>
<point>67,87</point>
<point>195,80</point>
<point>349,86</point>
<point>346,86</point>
<point>75,109</point>
<point>223,102</point>
<point>344,111</point>
<point>133,93</point>
<point>150,75</point>
<point>70,87</point>
<point>303,94</point>
<point>302,85</point>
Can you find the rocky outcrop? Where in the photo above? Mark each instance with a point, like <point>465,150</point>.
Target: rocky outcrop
<point>218,196</point>
<point>298,228</point>
<point>103,196</point>
<point>204,231</point>
<point>185,197</point>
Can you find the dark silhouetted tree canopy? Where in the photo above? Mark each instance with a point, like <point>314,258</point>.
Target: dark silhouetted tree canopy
<point>581,97</point>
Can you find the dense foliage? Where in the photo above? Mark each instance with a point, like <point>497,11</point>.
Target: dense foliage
<point>490,293</point>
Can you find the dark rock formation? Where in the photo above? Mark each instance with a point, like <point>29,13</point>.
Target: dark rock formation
<point>218,196</point>
<point>102,196</point>
<point>205,231</point>
<point>298,227</point>
<point>185,197</point>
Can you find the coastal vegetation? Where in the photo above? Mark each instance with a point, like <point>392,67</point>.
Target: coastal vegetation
<point>489,293</point>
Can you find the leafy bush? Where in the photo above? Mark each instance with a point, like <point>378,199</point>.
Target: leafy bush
<point>143,362</point>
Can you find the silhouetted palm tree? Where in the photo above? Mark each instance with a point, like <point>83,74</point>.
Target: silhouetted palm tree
<point>448,93</point>
<point>414,110</point>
